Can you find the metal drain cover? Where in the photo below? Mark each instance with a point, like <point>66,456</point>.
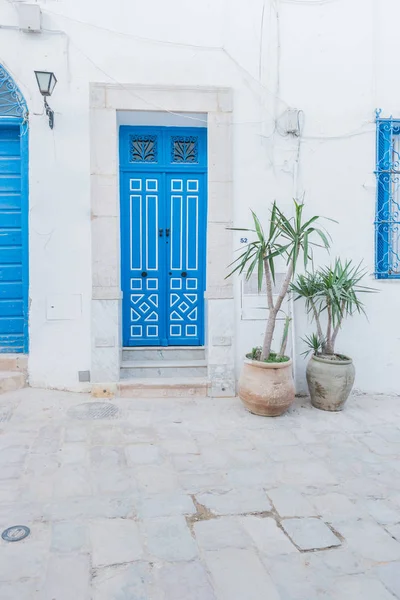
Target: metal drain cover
<point>93,411</point>
<point>16,533</point>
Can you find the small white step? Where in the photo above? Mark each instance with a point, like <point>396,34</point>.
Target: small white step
<point>10,381</point>
<point>159,353</point>
<point>165,368</point>
<point>186,387</point>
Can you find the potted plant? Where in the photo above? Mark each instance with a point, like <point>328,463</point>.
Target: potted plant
<point>266,384</point>
<point>332,292</point>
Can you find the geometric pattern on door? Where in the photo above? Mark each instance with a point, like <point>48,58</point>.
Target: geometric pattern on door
<point>163,221</point>
<point>144,308</point>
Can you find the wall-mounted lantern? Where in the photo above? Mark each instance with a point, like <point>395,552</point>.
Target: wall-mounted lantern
<point>46,82</point>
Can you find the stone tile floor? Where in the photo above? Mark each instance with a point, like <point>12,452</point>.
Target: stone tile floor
<point>198,500</point>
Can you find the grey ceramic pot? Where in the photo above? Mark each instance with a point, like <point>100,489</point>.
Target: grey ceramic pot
<point>330,382</point>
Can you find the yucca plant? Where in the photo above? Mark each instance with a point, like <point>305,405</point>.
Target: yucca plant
<point>289,239</point>
<point>332,291</point>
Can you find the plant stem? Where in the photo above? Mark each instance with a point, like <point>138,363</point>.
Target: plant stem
<point>338,326</point>
<point>317,321</point>
<point>285,337</point>
<point>269,333</point>
<point>328,345</point>
<point>268,281</point>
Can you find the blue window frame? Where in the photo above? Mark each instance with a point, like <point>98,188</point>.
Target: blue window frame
<point>387,216</point>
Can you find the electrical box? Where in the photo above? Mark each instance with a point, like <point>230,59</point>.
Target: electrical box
<point>293,121</point>
<point>30,17</point>
<point>63,307</point>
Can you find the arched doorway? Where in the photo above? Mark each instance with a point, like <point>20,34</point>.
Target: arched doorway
<point>13,217</point>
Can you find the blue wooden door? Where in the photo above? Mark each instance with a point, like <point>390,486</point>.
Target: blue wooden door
<point>13,241</point>
<point>163,235</point>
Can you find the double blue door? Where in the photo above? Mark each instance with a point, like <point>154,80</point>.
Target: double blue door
<point>163,235</point>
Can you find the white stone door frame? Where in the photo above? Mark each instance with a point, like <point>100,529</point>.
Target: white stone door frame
<point>105,101</point>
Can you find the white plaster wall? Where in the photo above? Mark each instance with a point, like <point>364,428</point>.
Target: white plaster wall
<point>336,61</point>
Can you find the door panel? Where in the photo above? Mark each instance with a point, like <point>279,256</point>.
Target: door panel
<point>185,217</point>
<point>144,271</point>
<point>13,258</point>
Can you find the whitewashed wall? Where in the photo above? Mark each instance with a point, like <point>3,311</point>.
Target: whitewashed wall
<point>336,60</point>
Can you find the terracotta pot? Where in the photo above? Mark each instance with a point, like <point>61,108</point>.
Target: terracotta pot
<point>330,382</point>
<point>266,389</point>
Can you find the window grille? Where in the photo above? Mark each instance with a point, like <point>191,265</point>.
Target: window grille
<point>387,216</point>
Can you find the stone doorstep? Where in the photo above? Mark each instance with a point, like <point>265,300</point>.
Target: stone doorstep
<point>14,362</point>
<point>161,387</point>
<point>164,387</point>
<point>10,381</point>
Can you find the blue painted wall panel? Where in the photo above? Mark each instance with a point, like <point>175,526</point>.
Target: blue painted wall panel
<point>13,239</point>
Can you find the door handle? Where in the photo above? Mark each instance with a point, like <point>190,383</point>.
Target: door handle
<point>167,232</point>
<point>144,274</point>
<point>183,274</point>
<point>161,231</point>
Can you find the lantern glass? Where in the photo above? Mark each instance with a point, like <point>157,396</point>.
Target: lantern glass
<point>46,82</point>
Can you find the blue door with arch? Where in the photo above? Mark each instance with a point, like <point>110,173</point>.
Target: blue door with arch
<point>13,217</point>
<point>163,183</point>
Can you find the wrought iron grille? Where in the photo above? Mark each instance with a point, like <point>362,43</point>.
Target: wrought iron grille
<point>387,216</point>
<point>12,103</point>
<point>184,149</point>
<point>143,148</point>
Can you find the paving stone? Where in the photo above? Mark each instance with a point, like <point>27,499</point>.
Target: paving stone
<point>301,577</point>
<point>235,501</point>
<point>335,506</point>
<point>389,575</point>
<point>290,503</point>
<point>13,454</point>
<point>360,587</point>
<point>344,561</point>
<point>224,532</point>
<point>180,447</point>
<point>370,540</point>
<point>383,511</point>
<point>194,483</point>
<point>394,531</point>
<point>117,480</point>
<point>289,453</point>
<point>253,476</point>
<point>27,589</point>
<point>310,533</point>
<point>125,582</point>
<point>91,507</point>
<point>164,505</point>
<point>76,433</point>
<point>183,581</point>
<point>67,577</point>
<point>238,574</point>
<point>168,538</point>
<point>72,480</point>
<point>69,537</point>
<point>267,536</point>
<point>13,471</point>
<point>114,541</point>
<point>154,479</point>
<point>107,457</point>
<point>73,454</point>
<point>26,559</point>
<point>142,454</point>
<point>312,473</point>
